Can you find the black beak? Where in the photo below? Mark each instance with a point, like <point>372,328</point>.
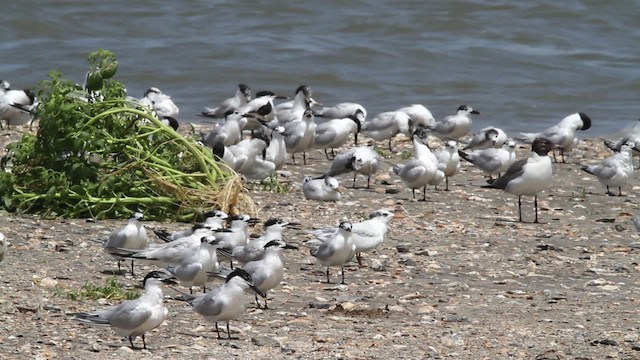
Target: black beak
<point>355,136</point>
<point>291,247</point>
<point>258,291</point>
<point>170,281</point>
<point>475,112</point>
<point>282,97</point>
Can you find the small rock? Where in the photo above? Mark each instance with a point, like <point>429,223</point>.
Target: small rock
<point>265,341</point>
<point>607,342</point>
<point>125,349</point>
<point>377,265</point>
<point>402,248</point>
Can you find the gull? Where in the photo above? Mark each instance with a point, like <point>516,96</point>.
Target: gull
<point>360,160</point>
<point>268,272</point>
<point>213,219</point>
<point>133,318</point>
<point>299,135</point>
<point>277,150</point>
<point>171,253</point>
<point>421,170</point>
<point>254,249</point>
<point>132,236</point>
<point>528,176</point>
<point>454,126</point>
<point>334,133</point>
<point>387,125</point>
<point>420,116</point>
<point>489,137</point>
<point>294,110</point>
<point>340,111</point>
<point>563,134</point>
<point>3,246</point>
<point>17,107</point>
<point>616,170</point>
<point>324,189</point>
<point>193,270</point>
<point>336,250</point>
<point>367,235</point>
<point>227,301</point>
<point>448,160</point>
<point>160,102</point>
<point>492,160</point>
<point>241,97</point>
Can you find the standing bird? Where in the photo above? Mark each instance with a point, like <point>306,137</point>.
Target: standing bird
<point>366,235</point>
<point>261,109</point>
<point>254,249</point>
<point>241,97</point>
<point>420,116</point>
<point>492,161</point>
<point>227,301</point>
<point>132,236</point>
<point>193,270</point>
<point>455,126</point>
<point>340,111</point>
<point>160,102</point>
<point>299,136</point>
<point>331,134</point>
<point>323,189</point>
<point>362,160</point>
<point>563,134</point>
<point>528,176</point>
<point>3,246</point>
<point>268,272</point>
<point>420,171</point>
<point>336,250</point>
<point>489,137</point>
<point>276,152</point>
<point>133,318</point>
<point>616,170</point>
<point>448,161</point>
<point>386,125</point>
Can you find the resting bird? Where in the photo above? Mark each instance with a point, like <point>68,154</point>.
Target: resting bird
<point>362,160</point>
<point>489,137</point>
<point>132,236</point>
<point>241,97</point>
<point>455,126</point>
<point>325,189</point>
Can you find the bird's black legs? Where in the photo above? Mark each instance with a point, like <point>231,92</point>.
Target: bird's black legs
<point>328,281</point>
<point>424,193</point>
<point>144,343</point>
<point>304,157</point>
<point>619,191</point>
<point>413,191</point>
<point>342,275</point>
<point>119,270</point>
<point>355,174</point>
<point>132,274</point>
<point>228,331</point>
<point>359,258</point>
<point>390,149</point>
<point>446,181</point>
<point>218,330</point>
<point>131,341</point>
<point>535,205</point>
<point>368,181</point>
<point>520,207</point>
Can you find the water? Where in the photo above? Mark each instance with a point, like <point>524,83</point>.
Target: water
<point>523,65</point>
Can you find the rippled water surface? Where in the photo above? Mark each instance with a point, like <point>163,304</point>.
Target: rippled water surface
<point>523,65</point>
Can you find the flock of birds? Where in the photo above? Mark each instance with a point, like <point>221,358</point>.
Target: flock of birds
<point>280,131</point>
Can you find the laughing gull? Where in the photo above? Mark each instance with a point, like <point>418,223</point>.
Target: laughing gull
<point>455,126</point>
<point>492,161</point>
<point>489,137</point>
<point>132,236</point>
<point>241,97</point>
<point>616,170</point>
<point>528,176</point>
<point>133,318</point>
<point>563,134</point>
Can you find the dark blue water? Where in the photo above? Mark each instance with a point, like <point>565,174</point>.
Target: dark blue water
<point>523,65</point>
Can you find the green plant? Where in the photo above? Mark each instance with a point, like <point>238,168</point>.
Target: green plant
<point>271,184</point>
<point>406,155</point>
<point>112,290</point>
<point>385,154</point>
<point>98,154</point>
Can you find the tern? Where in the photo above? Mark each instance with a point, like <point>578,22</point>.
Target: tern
<point>132,236</point>
<point>336,250</point>
<point>241,97</point>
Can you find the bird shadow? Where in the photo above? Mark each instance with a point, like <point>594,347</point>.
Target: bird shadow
<point>114,272</point>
